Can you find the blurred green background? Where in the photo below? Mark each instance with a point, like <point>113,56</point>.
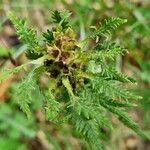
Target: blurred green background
<point>18,133</point>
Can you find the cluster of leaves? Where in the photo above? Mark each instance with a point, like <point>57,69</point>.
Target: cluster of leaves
<point>82,86</point>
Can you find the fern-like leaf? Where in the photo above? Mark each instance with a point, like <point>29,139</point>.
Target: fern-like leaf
<point>125,119</point>
<point>27,35</point>
<point>111,51</point>
<point>7,73</point>
<point>110,73</point>
<point>108,25</point>
<point>52,107</point>
<point>48,36</point>
<point>88,129</point>
<point>56,16</point>
<point>103,86</point>
<point>24,92</point>
<point>61,18</point>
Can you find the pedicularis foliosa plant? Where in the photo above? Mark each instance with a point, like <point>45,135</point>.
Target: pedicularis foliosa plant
<point>83,87</point>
